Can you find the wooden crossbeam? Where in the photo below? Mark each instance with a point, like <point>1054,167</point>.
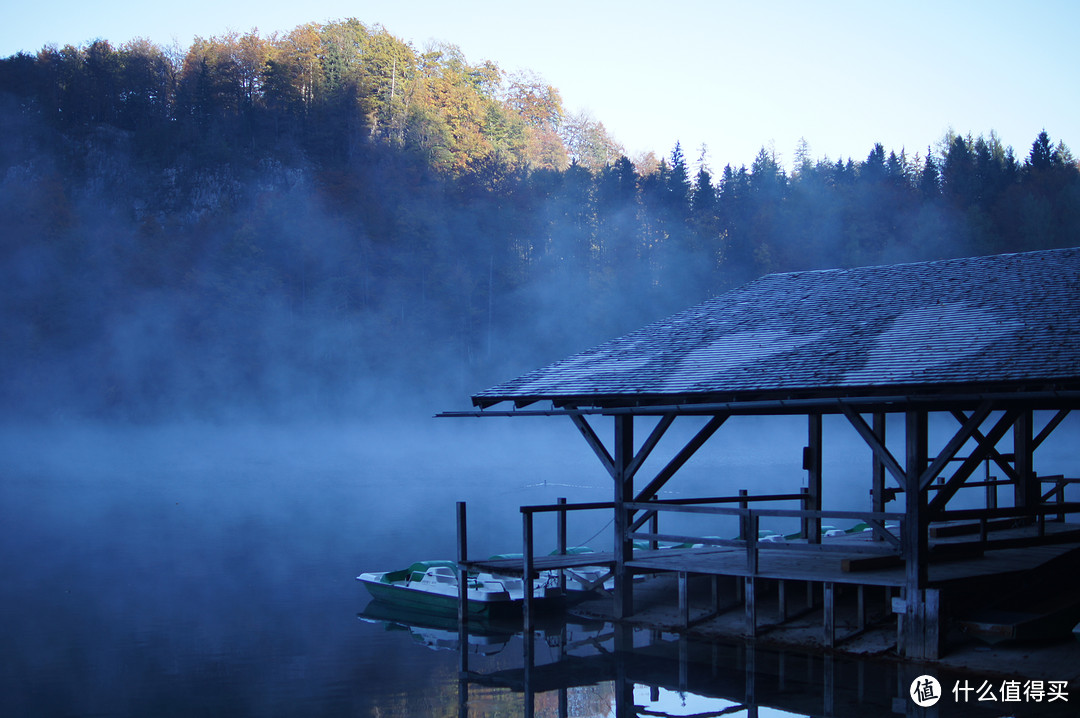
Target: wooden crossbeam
<point>650,443</point>
<point>594,442</point>
<point>682,457</point>
<point>640,520</point>
<point>967,429</point>
<point>1049,428</point>
<point>992,452</point>
<point>985,447</point>
<point>880,451</point>
<point>883,533</point>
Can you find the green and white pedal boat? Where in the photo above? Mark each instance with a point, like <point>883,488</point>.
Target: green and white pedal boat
<point>432,587</point>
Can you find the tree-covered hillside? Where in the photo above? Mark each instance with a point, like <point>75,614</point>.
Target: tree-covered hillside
<point>312,221</point>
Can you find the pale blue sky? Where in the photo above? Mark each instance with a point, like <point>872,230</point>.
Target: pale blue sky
<point>732,75</point>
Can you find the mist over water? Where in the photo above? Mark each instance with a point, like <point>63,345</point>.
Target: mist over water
<point>202,567</point>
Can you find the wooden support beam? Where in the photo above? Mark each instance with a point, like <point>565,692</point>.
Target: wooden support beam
<point>527,570</point>
<point>876,445</point>
<point>750,597</point>
<point>966,431</point>
<point>1049,428</point>
<point>650,443</point>
<point>812,464</point>
<point>877,492</point>
<point>1003,462</point>
<point>976,457</point>
<point>829,598</point>
<point>560,538</point>
<point>934,634</point>
<point>463,588</point>
<point>915,533</point>
<point>654,486</point>
<point>624,492</point>
<point>684,599</point>
<point>1026,488</point>
<point>594,442</point>
<point>752,528</point>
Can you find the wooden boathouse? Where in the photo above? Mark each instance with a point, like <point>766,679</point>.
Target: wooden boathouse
<point>989,344</point>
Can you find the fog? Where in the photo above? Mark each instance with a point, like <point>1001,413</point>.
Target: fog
<point>219,391</point>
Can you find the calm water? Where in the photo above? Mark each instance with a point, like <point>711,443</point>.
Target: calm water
<point>206,570</point>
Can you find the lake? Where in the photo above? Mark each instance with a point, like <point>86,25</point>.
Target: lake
<point>210,570</point>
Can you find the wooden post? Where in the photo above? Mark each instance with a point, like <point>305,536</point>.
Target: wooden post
<point>624,492</point>
<point>560,538</point>
<point>463,589</point>
<point>812,464</point>
<point>829,598</point>
<point>915,534</point>
<point>684,599</point>
<point>878,470</point>
<point>752,568</point>
<point>934,635</point>
<point>781,600</point>
<point>744,531</point>
<point>462,557</point>
<point>527,569</point>
<point>560,527</point>
<point>752,527</point>
<point>804,504</point>
<point>1027,487</point>
<point>751,606</point>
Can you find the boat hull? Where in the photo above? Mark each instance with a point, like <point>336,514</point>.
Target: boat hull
<point>423,601</point>
<point>435,591</point>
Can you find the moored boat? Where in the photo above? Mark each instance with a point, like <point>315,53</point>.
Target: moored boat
<point>432,587</point>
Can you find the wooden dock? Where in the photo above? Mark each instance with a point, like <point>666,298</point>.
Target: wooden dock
<point>964,563</point>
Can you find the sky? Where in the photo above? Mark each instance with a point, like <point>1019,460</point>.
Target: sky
<point>731,77</point>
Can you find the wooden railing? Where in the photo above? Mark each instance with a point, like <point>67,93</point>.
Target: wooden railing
<point>888,543</point>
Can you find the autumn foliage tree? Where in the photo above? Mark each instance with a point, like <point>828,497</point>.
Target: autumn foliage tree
<point>346,203</point>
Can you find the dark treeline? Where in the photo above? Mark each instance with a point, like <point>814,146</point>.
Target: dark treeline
<point>317,219</point>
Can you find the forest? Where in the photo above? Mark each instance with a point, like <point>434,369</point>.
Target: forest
<point>330,219</point>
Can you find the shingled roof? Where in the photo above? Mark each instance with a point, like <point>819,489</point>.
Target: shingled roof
<point>1003,322</point>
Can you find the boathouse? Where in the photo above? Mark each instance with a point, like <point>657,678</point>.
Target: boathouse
<point>990,343</point>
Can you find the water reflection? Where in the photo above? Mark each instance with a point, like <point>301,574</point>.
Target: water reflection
<point>572,667</point>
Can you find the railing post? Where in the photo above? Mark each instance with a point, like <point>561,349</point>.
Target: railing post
<point>828,597</point>
<point>812,463</point>
<point>462,557</point>
<point>527,569</point>
<point>463,595</point>
<point>743,525</point>
<point>560,537</point>
<point>804,522</point>
<point>560,525</point>
<point>751,542</point>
